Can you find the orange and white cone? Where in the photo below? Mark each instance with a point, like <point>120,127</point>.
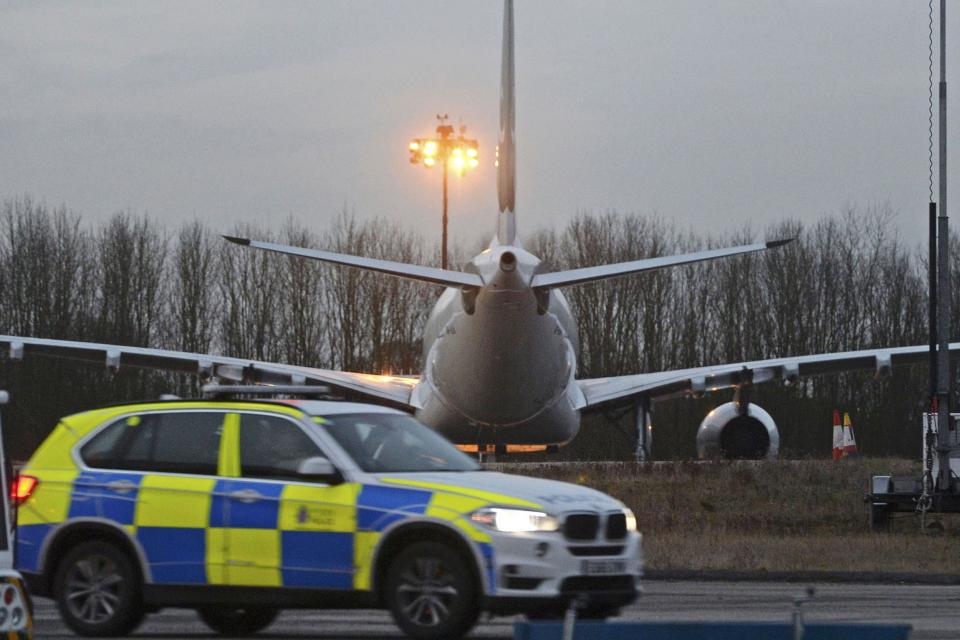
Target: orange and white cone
<point>837,436</point>
<point>849,442</point>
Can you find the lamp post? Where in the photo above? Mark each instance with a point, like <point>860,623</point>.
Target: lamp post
<point>453,153</point>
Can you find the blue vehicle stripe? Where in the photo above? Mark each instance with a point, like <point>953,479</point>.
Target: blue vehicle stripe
<point>92,496</point>
<point>30,538</point>
<point>486,549</point>
<point>317,559</point>
<point>379,507</point>
<point>175,554</point>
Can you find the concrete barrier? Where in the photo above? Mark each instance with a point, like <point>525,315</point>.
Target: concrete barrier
<point>622,630</point>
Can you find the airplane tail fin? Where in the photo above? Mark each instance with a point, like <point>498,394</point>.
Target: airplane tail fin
<point>506,149</point>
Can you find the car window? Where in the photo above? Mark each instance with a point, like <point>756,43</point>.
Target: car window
<point>394,442</point>
<point>273,447</point>
<point>177,442</point>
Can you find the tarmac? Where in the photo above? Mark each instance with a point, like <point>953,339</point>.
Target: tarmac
<point>933,610</point>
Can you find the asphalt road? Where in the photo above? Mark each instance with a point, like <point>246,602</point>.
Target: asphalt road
<point>934,611</point>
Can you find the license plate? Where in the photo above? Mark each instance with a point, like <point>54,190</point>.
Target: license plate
<point>602,567</point>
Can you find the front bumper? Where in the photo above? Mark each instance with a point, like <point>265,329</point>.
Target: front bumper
<point>536,570</point>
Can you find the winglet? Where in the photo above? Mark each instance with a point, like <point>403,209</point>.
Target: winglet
<point>779,243</point>
<point>235,240</point>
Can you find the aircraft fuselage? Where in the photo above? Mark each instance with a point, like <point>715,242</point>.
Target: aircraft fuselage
<point>499,361</point>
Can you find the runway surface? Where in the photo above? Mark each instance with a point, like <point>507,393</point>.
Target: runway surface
<point>934,611</point>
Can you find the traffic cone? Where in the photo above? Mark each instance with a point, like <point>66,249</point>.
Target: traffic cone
<point>849,442</point>
<point>837,436</point>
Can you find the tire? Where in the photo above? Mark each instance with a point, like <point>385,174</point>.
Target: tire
<point>237,621</point>
<point>431,592</point>
<point>98,590</point>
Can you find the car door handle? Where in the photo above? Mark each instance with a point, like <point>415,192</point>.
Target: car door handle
<point>246,496</point>
<point>121,486</point>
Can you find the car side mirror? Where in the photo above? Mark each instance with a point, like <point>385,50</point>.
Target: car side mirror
<point>319,468</point>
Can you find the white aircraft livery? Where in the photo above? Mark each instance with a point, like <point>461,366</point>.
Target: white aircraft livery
<point>499,348</point>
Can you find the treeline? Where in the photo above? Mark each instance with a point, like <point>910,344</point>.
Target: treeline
<point>846,283</point>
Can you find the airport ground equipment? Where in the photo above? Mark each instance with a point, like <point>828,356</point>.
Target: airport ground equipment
<point>242,506</point>
<point>922,494</point>
<point>16,611</point>
<point>937,489</point>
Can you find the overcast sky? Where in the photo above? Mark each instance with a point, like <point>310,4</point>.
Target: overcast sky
<point>713,114</point>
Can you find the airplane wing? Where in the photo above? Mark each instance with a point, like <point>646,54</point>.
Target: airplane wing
<point>395,389</point>
<point>695,381</point>
<point>432,275</point>
<point>602,272</point>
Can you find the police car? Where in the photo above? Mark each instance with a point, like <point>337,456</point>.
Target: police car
<point>241,508</point>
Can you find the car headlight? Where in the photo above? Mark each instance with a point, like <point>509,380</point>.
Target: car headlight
<point>631,519</point>
<point>514,520</point>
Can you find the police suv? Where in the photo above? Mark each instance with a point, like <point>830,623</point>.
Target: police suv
<point>241,508</point>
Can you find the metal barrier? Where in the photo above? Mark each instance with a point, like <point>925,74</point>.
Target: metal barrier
<point>623,630</point>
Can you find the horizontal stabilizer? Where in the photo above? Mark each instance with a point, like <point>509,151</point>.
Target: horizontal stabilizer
<point>602,272</point>
<point>401,269</point>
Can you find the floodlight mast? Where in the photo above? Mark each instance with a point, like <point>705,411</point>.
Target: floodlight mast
<point>458,153</point>
<point>944,439</point>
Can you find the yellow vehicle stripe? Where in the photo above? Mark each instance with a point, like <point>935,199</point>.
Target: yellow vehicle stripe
<point>228,463</point>
<point>50,502</point>
<point>489,496</point>
<point>216,555</point>
<point>364,542</point>
<point>255,557</point>
<point>308,508</point>
<point>454,509</point>
<point>174,501</point>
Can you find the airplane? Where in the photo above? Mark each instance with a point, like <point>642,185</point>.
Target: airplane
<point>499,348</point>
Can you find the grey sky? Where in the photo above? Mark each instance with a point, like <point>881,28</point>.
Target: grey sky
<point>712,114</point>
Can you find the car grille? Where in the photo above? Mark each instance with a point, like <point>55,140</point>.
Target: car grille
<point>581,526</point>
<point>597,550</point>
<point>616,526</point>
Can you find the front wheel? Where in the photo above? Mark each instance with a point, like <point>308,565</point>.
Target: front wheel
<point>237,621</point>
<point>431,592</point>
<point>98,591</point>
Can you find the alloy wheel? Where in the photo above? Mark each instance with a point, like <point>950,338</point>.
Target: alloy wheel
<point>93,589</point>
<point>426,592</point>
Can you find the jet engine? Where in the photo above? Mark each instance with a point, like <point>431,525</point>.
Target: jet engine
<point>733,434</point>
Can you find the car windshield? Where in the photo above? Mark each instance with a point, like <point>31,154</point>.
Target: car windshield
<point>394,442</point>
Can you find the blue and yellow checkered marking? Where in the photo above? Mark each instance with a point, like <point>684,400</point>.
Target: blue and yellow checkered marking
<point>192,531</point>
